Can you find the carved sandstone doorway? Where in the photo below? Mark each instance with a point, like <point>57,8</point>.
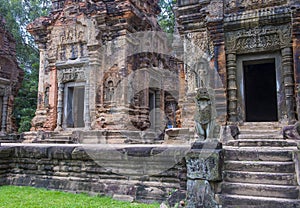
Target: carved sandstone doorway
<point>260,88</point>
<point>74,105</point>
<point>260,91</point>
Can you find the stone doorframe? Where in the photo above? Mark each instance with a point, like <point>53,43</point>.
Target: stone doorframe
<point>66,86</point>
<point>75,74</point>
<point>241,106</point>
<point>256,42</point>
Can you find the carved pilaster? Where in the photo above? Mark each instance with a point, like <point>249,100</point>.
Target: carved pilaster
<point>41,89</point>
<point>296,48</point>
<point>87,117</point>
<point>60,106</point>
<point>288,77</point>
<point>232,87</point>
<point>92,74</point>
<point>4,113</point>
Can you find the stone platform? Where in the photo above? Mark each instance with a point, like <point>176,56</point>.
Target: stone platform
<point>144,173</point>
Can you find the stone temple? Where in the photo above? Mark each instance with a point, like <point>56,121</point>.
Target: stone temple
<point>11,76</point>
<point>85,68</point>
<point>208,116</point>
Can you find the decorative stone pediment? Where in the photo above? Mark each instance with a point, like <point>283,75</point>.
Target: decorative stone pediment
<point>258,39</point>
<point>69,43</point>
<point>71,75</point>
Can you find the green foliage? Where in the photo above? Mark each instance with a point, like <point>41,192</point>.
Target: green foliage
<point>25,102</point>
<point>28,197</point>
<point>18,14</point>
<point>166,18</point>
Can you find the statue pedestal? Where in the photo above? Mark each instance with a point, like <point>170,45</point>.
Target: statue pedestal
<point>204,170</point>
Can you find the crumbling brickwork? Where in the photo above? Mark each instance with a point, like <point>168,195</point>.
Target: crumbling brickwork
<point>11,76</point>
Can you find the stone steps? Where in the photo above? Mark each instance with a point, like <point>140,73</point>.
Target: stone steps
<point>57,139</point>
<point>261,142</point>
<point>242,201</point>
<point>263,190</point>
<point>260,166</point>
<point>259,169</point>
<point>261,136</point>
<point>260,125</point>
<point>259,131</point>
<point>258,154</point>
<point>93,140</point>
<point>260,177</point>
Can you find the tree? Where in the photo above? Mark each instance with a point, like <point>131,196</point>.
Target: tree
<point>18,14</point>
<point>166,19</point>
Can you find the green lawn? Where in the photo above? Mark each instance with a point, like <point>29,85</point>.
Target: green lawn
<point>28,197</point>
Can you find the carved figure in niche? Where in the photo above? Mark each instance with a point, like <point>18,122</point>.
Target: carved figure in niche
<point>203,113</point>
<point>178,117</point>
<point>110,90</point>
<point>198,74</point>
<point>74,52</point>
<point>171,106</point>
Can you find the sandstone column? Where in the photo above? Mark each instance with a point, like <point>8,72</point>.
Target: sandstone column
<point>4,112</point>
<point>232,87</point>
<point>41,90</point>
<point>288,77</point>
<point>60,106</point>
<point>296,50</point>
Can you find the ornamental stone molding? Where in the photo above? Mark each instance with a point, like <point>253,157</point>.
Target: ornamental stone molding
<point>71,75</point>
<point>258,39</point>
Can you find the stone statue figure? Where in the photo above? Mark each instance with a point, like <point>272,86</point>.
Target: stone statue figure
<point>203,113</point>
<point>110,91</point>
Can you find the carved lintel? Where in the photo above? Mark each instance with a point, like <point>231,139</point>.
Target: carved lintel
<point>233,5</point>
<point>71,75</point>
<point>259,38</point>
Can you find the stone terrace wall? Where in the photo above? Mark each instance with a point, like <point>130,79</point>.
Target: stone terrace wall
<point>5,164</point>
<point>70,168</point>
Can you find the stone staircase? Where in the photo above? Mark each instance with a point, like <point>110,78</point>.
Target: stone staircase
<point>259,169</point>
<point>55,138</point>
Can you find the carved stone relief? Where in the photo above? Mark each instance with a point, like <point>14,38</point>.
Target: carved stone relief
<point>200,40</point>
<point>111,81</point>
<point>215,9</point>
<point>251,4</point>
<point>71,75</point>
<point>68,44</point>
<point>264,38</point>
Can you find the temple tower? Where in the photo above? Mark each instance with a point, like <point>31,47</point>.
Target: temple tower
<point>11,76</point>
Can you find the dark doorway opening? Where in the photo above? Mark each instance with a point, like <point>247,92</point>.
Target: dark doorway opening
<point>260,91</point>
<point>152,108</point>
<point>75,107</point>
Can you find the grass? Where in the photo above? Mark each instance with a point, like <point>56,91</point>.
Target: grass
<point>28,197</point>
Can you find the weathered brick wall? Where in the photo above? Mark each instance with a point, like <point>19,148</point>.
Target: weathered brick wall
<point>70,168</point>
<point>11,77</point>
